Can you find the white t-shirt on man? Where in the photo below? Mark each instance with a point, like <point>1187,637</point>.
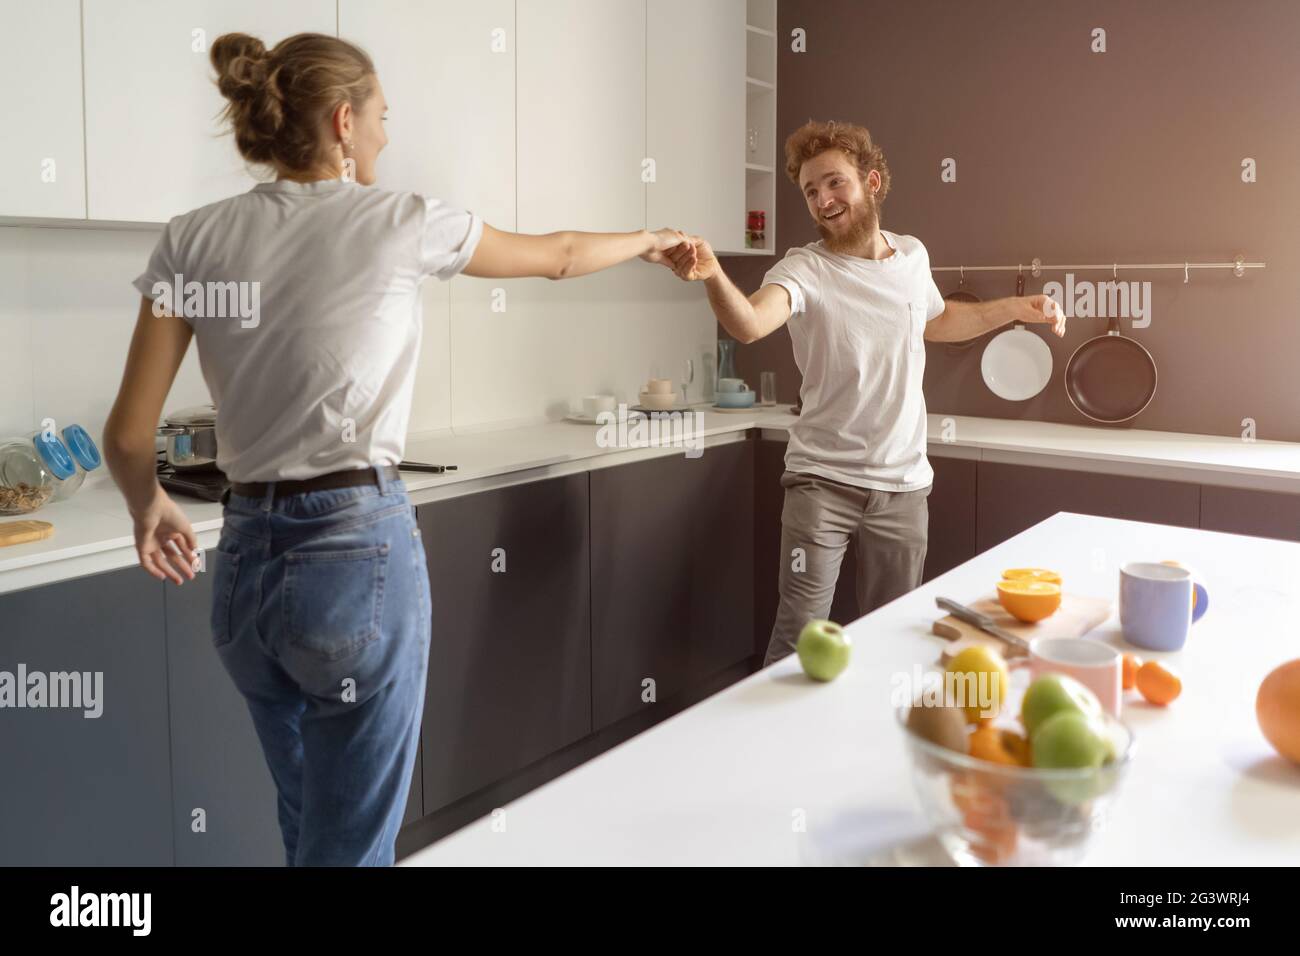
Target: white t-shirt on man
<point>857,326</point>
<point>318,377</point>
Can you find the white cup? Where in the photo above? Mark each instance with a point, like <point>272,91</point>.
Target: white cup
<point>1095,665</point>
<point>660,386</point>
<point>593,405</point>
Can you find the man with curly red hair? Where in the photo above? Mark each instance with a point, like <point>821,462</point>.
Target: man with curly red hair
<point>860,303</point>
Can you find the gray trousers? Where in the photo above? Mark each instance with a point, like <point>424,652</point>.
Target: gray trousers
<point>889,530</point>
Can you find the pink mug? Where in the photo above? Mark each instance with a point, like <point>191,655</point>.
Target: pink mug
<point>1095,665</point>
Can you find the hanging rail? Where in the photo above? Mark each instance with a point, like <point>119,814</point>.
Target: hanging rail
<point>1037,267</point>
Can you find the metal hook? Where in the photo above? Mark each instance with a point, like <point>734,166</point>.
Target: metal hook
<point>1239,266</point>
<point>1114,270</point>
<point>1036,267</point>
<point>1020,269</point>
<point>963,273</point>
<point>1186,278</point>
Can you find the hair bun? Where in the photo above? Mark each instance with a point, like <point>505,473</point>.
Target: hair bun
<point>240,61</point>
<point>277,102</point>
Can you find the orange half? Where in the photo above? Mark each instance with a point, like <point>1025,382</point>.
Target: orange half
<point>1031,574</point>
<point>1029,601</point>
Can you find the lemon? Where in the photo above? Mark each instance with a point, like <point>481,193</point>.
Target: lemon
<point>978,681</point>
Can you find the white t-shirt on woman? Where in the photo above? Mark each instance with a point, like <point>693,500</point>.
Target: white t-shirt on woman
<point>310,355</point>
<point>858,326</point>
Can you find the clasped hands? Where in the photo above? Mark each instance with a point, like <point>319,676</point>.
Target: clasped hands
<point>689,257</point>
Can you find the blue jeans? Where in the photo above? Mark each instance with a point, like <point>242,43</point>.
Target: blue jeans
<point>321,615</point>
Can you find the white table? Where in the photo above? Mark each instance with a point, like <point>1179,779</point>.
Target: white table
<point>730,780</point>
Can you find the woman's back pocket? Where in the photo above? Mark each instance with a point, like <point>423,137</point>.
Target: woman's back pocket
<point>334,600</point>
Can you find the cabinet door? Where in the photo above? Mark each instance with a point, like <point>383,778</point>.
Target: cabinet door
<point>1014,497</point>
<point>42,165</point>
<point>448,73</point>
<point>1264,514</point>
<point>952,504</point>
<point>153,143</point>
<point>581,114</point>
<point>510,659</point>
<point>697,140</point>
<point>217,761</point>
<point>672,565</point>
<point>86,783</point>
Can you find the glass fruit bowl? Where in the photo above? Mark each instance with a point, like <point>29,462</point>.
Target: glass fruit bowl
<point>988,814</point>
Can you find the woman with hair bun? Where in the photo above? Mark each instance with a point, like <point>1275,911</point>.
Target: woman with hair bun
<point>307,323</point>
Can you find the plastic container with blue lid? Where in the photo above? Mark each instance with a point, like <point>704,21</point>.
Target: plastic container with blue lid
<point>58,462</point>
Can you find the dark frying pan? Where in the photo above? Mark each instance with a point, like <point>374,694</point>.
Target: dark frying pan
<point>1111,378</point>
<point>961,293</point>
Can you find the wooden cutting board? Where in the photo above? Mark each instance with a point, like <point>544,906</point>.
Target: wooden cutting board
<point>1076,616</point>
<point>20,532</point>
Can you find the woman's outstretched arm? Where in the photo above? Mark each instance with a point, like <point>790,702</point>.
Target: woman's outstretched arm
<point>563,255</point>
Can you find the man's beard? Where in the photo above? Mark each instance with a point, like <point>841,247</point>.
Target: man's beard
<point>862,227</point>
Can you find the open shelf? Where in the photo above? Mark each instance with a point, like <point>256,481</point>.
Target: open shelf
<point>761,146</point>
<point>761,14</point>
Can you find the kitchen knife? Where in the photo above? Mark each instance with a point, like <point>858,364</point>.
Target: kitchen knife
<point>985,623</point>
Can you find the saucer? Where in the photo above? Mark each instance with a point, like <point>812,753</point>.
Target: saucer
<point>578,418</point>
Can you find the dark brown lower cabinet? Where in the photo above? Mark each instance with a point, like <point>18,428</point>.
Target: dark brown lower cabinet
<point>1015,497</point>
<point>1265,514</point>
<point>952,515</point>
<point>672,559</point>
<point>85,764</point>
<point>510,658</point>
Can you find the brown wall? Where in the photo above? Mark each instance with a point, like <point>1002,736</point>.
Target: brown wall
<point>1132,155</point>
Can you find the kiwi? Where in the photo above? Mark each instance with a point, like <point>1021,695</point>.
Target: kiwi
<point>941,725</point>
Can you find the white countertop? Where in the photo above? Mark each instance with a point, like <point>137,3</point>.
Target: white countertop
<point>721,782</point>
<point>92,531</point>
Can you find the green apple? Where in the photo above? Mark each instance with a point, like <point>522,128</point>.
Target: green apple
<point>823,650</point>
<point>1069,740</point>
<point>1051,694</point>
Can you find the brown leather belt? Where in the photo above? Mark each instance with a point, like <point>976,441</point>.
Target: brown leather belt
<point>351,478</point>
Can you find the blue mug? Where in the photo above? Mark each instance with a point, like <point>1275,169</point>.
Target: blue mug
<point>1158,604</point>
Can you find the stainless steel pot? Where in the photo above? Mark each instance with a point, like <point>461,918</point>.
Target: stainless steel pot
<point>191,435</point>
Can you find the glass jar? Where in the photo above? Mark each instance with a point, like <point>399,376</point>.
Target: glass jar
<point>59,463</point>
<point>25,482</point>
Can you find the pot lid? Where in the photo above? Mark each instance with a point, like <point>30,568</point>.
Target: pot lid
<point>194,416</point>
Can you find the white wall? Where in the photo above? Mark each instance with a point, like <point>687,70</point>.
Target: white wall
<point>67,309</point>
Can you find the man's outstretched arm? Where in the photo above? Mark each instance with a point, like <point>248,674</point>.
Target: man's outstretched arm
<point>745,318</point>
<point>960,321</point>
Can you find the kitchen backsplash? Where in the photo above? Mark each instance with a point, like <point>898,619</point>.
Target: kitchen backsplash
<point>1132,155</point>
<point>493,353</point>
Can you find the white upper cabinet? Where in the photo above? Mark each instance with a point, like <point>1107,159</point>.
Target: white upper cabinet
<point>153,143</point>
<point>581,114</point>
<point>448,72</point>
<point>42,162</point>
<point>695,118</point>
